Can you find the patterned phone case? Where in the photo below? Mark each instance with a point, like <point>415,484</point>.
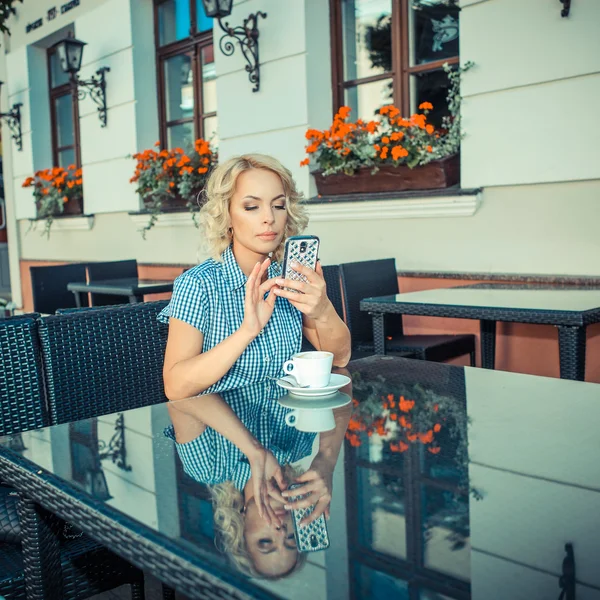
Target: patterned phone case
<point>312,537</point>
<point>304,249</point>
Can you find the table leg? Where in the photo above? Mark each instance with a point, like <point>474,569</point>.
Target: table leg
<point>41,551</point>
<point>379,332</point>
<point>488,343</point>
<point>571,348</point>
<point>77,299</point>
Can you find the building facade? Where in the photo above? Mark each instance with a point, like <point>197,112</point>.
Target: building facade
<point>530,174</point>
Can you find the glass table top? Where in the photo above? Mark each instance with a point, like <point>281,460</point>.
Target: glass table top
<point>510,297</point>
<point>451,482</point>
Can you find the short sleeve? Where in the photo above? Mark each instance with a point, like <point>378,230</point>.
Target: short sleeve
<point>189,303</point>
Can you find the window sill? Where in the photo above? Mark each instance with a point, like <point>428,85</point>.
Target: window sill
<point>450,202</point>
<point>70,223</point>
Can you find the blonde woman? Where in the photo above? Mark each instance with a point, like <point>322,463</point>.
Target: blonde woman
<point>235,442</point>
<point>230,321</point>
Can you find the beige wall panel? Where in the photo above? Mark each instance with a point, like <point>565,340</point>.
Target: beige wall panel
<point>534,134</point>
<point>106,188</point>
<point>497,579</point>
<point>280,104</point>
<point>518,43</point>
<point>17,75</point>
<point>540,404</point>
<point>24,202</point>
<point>116,140</point>
<point>106,29</point>
<point>511,522</point>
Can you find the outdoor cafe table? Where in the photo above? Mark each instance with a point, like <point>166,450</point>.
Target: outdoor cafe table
<point>495,483</point>
<point>571,310</point>
<point>131,287</point>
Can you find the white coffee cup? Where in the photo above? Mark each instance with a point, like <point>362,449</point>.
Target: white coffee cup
<point>312,369</point>
<point>312,420</point>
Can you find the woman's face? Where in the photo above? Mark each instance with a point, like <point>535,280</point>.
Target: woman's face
<point>273,552</point>
<point>258,212</point>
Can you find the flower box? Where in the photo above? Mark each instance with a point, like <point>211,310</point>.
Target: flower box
<point>74,206</point>
<point>437,174</point>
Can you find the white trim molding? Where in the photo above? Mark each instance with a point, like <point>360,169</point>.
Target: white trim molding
<point>413,208</point>
<point>176,219</point>
<point>83,223</point>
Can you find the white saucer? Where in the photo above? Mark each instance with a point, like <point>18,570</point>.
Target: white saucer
<point>335,383</point>
<point>335,400</point>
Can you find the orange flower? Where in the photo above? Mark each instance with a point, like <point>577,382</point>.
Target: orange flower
<point>437,427</point>
<point>202,170</point>
<point>429,149</point>
<point>425,106</point>
<point>343,113</point>
<point>305,162</point>
<point>429,129</point>
<point>65,199</point>
<point>436,407</point>
<point>399,152</point>
<point>45,191</point>
<point>404,422</point>
<point>411,437</point>
<point>385,139</point>
<point>28,182</point>
<point>434,450</point>
<point>157,143</point>
<point>426,438</point>
<point>79,181</point>
<point>172,184</point>
<point>406,405</point>
<point>70,184</point>
<point>397,135</point>
<point>384,152</point>
<point>371,126</point>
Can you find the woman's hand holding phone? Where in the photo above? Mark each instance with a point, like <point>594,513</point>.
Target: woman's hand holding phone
<point>317,489</point>
<point>267,480</point>
<point>313,301</point>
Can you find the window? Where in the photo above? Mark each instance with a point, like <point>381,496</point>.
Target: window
<point>186,73</point>
<point>64,114</point>
<point>387,52</point>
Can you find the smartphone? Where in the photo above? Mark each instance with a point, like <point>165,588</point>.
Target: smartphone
<point>312,537</point>
<point>303,249</point>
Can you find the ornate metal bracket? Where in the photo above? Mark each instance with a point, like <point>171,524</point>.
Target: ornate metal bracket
<point>13,120</point>
<point>96,89</point>
<point>566,582</point>
<point>566,8</point>
<point>247,37</point>
<point>115,449</point>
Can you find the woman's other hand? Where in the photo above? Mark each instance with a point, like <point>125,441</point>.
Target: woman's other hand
<point>257,309</point>
<point>267,480</point>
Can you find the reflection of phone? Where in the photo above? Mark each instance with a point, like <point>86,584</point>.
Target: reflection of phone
<point>312,537</point>
<point>303,249</point>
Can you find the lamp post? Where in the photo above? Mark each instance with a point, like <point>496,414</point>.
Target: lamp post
<point>13,120</point>
<point>246,35</point>
<point>70,53</point>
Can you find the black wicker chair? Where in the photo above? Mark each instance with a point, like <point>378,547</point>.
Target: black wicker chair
<point>104,360</point>
<point>88,568</point>
<point>379,278</point>
<point>49,286</point>
<point>331,274</point>
<point>117,269</point>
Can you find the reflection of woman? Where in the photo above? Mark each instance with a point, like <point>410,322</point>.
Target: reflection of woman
<point>230,323</point>
<point>235,442</point>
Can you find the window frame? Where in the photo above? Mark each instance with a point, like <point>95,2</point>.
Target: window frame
<point>401,70</point>
<point>65,89</point>
<point>193,45</point>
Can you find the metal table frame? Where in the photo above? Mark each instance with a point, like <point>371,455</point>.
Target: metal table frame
<point>571,326</point>
<point>126,287</point>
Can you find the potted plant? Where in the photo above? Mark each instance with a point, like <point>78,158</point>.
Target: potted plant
<point>391,153</point>
<point>56,192</point>
<point>169,180</point>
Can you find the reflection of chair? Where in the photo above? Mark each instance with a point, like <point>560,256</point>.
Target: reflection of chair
<point>379,278</point>
<point>104,360</point>
<point>49,286</point>
<point>117,269</point>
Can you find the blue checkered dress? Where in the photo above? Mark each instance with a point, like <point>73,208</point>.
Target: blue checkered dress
<point>210,297</point>
<point>212,459</point>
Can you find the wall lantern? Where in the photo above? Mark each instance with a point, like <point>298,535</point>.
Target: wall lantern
<point>70,52</point>
<point>13,120</point>
<point>566,8</point>
<point>246,36</point>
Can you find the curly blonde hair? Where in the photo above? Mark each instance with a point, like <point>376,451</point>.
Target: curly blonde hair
<point>214,214</point>
<point>228,503</point>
